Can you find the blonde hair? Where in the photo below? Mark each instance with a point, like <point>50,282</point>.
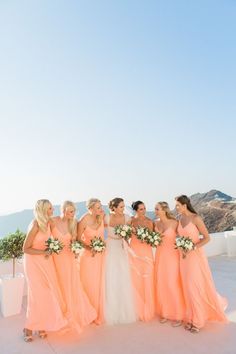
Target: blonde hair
<point>90,204</point>
<point>72,224</point>
<point>166,208</point>
<point>40,213</point>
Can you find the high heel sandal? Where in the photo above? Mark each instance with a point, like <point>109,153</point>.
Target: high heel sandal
<point>194,329</point>
<point>27,335</point>
<point>163,320</point>
<point>188,326</point>
<point>42,334</point>
<point>176,323</point>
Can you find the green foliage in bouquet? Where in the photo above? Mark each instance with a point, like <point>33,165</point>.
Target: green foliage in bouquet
<point>11,247</point>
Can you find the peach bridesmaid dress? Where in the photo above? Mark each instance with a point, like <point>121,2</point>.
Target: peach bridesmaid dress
<point>168,289</point>
<point>203,303</point>
<point>45,305</point>
<point>92,272</point>
<point>79,311</point>
<point>142,272</point>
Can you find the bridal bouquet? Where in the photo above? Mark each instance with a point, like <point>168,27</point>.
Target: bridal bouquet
<point>77,247</point>
<point>185,244</point>
<point>142,233</point>
<point>97,245</point>
<point>154,239</point>
<point>124,231</point>
<point>53,245</point>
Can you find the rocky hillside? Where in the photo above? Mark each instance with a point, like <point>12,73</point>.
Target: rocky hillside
<point>217,209</point>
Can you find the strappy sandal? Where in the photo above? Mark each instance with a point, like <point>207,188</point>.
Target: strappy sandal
<point>176,323</point>
<point>42,334</point>
<point>194,329</point>
<point>27,335</point>
<point>188,326</point>
<point>163,320</point>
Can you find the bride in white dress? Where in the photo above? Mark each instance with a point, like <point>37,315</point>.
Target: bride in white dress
<point>119,297</point>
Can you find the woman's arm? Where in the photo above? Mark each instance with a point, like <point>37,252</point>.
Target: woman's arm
<point>202,230</point>
<point>81,225</point>
<point>27,247</point>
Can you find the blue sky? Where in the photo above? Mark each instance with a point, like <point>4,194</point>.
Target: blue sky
<point>125,98</point>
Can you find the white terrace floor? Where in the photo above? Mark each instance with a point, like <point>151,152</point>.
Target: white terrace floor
<point>137,338</point>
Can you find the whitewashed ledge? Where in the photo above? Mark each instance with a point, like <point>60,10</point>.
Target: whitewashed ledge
<point>222,243</point>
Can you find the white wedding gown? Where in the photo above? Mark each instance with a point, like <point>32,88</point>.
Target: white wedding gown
<point>119,297</point>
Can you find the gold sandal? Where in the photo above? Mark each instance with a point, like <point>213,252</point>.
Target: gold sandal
<point>42,334</point>
<point>176,323</point>
<point>194,329</point>
<point>188,326</point>
<point>27,335</point>
<point>163,320</point>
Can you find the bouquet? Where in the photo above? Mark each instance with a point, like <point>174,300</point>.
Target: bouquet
<point>123,231</point>
<point>154,239</point>
<point>77,247</point>
<point>53,245</point>
<point>185,244</point>
<point>97,245</point>
<point>142,233</point>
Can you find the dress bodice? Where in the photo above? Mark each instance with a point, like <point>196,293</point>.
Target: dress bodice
<point>111,229</point>
<point>40,238</point>
<point>64,236</point>
<point>89,233</point>
<point>189,230</point>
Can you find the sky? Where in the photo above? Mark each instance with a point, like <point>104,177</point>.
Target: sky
<point>131,98</point>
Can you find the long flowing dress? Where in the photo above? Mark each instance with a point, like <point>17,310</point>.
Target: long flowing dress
<point>79,311</point>
<point>169,292</point>
<point>202,301</point>
<point>92,272</point>
<point>45,306</point>
<point>142,270</point>
<point>119,293</point>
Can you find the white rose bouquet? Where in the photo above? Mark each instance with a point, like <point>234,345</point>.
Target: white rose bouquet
<point>154,239</point>
<point>53,245</point>
<point>97,245</point>
<point>123,231</point>
<point>185,244</point>
<point>142,233</point>
<point>77,247</point>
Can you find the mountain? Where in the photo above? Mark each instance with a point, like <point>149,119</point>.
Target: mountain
<point>217,209</point>
<point>20,220</point>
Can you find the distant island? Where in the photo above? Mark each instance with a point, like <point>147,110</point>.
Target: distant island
<point>216,208</point>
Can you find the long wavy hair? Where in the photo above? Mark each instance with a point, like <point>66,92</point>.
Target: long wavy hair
<point>166,208</point>
<point>72,224</point>
<point>184,200</point>
<point>40,213</point>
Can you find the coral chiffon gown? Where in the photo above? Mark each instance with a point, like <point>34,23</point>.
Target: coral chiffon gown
<point>168,289</point>
<point>142,272</point>
<point>92,272</point>
<point>79,311</point>
<point>203,303</point>
<point>45,307</point>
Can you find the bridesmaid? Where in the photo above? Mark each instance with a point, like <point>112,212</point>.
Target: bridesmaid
<point>79,311</point>
<point>92,268</point>
<point>169,292</point>
<point>45,305</point>
<point>202,301</point>
<point>142,265</point>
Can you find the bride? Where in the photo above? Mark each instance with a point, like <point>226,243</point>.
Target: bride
<point>119,299</point>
